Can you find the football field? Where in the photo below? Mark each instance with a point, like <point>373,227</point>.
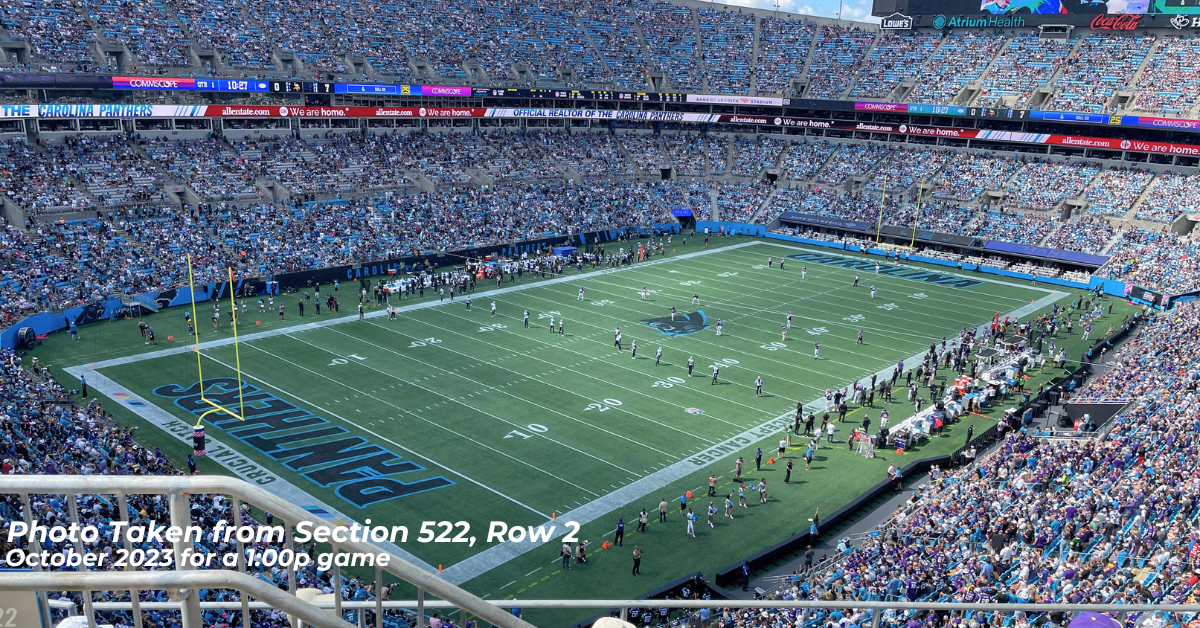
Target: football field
<point>454,415</point>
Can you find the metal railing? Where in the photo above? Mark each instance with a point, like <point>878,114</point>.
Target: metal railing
<point>620,607</point>
<point>184,582</point>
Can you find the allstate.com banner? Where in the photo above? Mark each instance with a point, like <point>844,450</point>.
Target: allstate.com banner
<point>102,111</point>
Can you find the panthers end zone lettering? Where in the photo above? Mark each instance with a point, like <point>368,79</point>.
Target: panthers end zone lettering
<point>894,271</point>
<point>310,445</point>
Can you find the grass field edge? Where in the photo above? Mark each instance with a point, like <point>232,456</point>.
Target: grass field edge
<point>495,556</point>
<point>235,462</point>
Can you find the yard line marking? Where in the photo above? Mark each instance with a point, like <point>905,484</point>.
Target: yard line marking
<point>697,337</point>
<point>502,420</point>
<point>500,554</point>
<point>459,434</point>
<point>533,572</point>
<point>382,437</point>
<point>961,297</point>
<point>954,272</point>
<point>589,376</point>
<point>893,331</point>
<point>534,378</point>
<point>350,318</point>
<point>693,337</point>
<point>508,585</point>
<point>964,301</point>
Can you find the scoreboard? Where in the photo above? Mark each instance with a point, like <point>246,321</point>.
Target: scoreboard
<point>292,86</point>
<point>267,86</point>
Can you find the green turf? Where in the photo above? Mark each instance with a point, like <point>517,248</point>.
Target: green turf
<point>525,422</point>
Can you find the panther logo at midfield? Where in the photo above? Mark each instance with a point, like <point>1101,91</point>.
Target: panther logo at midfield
<point>683,324</point>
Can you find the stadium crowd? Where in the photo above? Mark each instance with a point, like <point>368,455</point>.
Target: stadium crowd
<point>961,58</point>
<point>1041,185</point>
<point>645,152</point>
<point>47,429</point>
<point>728,39</point>
<point>740,202</point>
<point>1102,64</point>
<point>252,217</point>
<point>901,168</point>
<point>837,58</point>
<point>804,159</point>
<point>33,180</point>
<point>1168,85</point>
<point>691,155</point>
<point>1116,190</point>
<point>967,175</point>
<point>782,51</point>
<point>752,156</point>
<point>1027,228</point>
<point>1159,260</point>
<point>851,160</point>
<point>895,59</point>
<point>1085,235</point>
<point>1171,194</point>
<point>1025,64</point>
<point>670,35</point>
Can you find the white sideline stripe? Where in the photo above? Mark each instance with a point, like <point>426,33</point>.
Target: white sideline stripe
<point>497,555</point>
<point>404,308</point>
<point>281,487</point>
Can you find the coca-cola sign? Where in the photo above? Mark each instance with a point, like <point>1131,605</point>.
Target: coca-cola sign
<point>1125,22</point>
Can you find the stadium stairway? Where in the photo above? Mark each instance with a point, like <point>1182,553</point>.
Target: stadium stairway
<point>1142,197</point>
<point>641,37</point>
<point>904,88</point>
<point>812,51</point>
<point>754,56</point>
<point>976,84</point>
<point>824,163</point>
<point>865,58</point>
<point>1057,226</point>
<point>762,208</point>
<point>700,49</point>
<point>637,173</point>
<point>143,301</point>
<point>587,36</point>
<point>1158,40</point>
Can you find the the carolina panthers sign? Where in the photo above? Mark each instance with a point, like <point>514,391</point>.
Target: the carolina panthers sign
<point>683,324</point>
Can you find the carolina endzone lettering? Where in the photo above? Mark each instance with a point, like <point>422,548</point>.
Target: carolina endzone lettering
<point>324,453</point>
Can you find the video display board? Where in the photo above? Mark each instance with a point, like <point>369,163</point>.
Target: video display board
<point>1048,7</point>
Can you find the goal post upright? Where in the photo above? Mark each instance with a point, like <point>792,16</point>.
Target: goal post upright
<point>216,407</point>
